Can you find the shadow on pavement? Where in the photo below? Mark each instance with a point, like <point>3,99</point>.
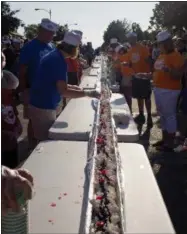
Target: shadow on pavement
<point>172,181</point>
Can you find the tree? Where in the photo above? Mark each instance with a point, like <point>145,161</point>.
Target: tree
<point>169,15</point>
<point>116,29</point>
<point>9,22</point>
<point>60,33</point>
<point>137,29</point>
<point>30,31</point>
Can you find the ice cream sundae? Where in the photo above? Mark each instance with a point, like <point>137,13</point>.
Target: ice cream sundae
<point>106,211</point>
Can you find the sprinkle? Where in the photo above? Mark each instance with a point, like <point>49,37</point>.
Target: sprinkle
<point>99,198</point>
<point>65,194</point>
<point>50,220</point>
<point>103,172</point>
<point>59,198</point>
<point>100,140</point>
<point>101,180</point>
<point>53,204</point>
<point>100,223</point>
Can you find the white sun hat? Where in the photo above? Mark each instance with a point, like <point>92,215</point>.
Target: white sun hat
<point>113,40</point>
<point>131,34</point>
<point>118,48</point>
<point>163,36</point>
<point>78,32</point>
<point>49,25</point>
<point>72,38</point>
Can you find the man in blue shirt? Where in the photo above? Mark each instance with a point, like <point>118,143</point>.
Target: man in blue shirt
<point>44,93</point>
<point>30,57</point>
<point>50,85</point>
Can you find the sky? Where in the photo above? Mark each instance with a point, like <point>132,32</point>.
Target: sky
<point>91,17</point>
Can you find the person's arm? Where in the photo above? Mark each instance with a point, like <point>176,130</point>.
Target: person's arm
<point>148,58</point>
<point>176,73</point>
<point>22,77</point>
<point>68,91</point>
<point>24,61</point>
<point>10,181</point>
<point>74,87</point>
<point>72,93</point>
<point>177,70</point>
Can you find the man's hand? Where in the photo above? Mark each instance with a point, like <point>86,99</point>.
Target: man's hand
<point>92,93</point>
<point>75,87</point>
<point>14,181</point>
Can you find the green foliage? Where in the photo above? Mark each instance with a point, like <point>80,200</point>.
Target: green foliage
<point>30,31</point>
<point>60,33</point>
<point>9,22</point>
<point>169,15</point>
<point>137,29</point>
<point>116,29</point>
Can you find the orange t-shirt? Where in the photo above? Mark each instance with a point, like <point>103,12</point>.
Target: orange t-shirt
<point>125,70</point>
<point>163,79</point>
<point>116,63</point>
<point>137,56</point>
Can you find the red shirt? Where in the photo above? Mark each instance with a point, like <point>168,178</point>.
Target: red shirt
<point>72,65</point>
<point>80,69</point>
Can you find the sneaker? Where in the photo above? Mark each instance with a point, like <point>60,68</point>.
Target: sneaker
<point>140,119</point>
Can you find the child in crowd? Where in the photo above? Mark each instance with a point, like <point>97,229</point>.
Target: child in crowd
<point>10,124</point>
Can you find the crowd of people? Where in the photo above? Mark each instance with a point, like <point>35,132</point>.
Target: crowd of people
<point>41,76</point>
<point>162,67</point>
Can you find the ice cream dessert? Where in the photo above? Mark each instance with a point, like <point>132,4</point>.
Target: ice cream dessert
<point>106,216</point>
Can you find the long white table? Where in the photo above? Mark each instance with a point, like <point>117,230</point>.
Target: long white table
<point>88,82</point>
<point>60,198</point>
<point>118,101</point>
<point>94,71</point>
<point>96,65</point>
<point>75,122</point>
<point>145,210</point>
<point>129,132</point>
<point>58,171</point>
